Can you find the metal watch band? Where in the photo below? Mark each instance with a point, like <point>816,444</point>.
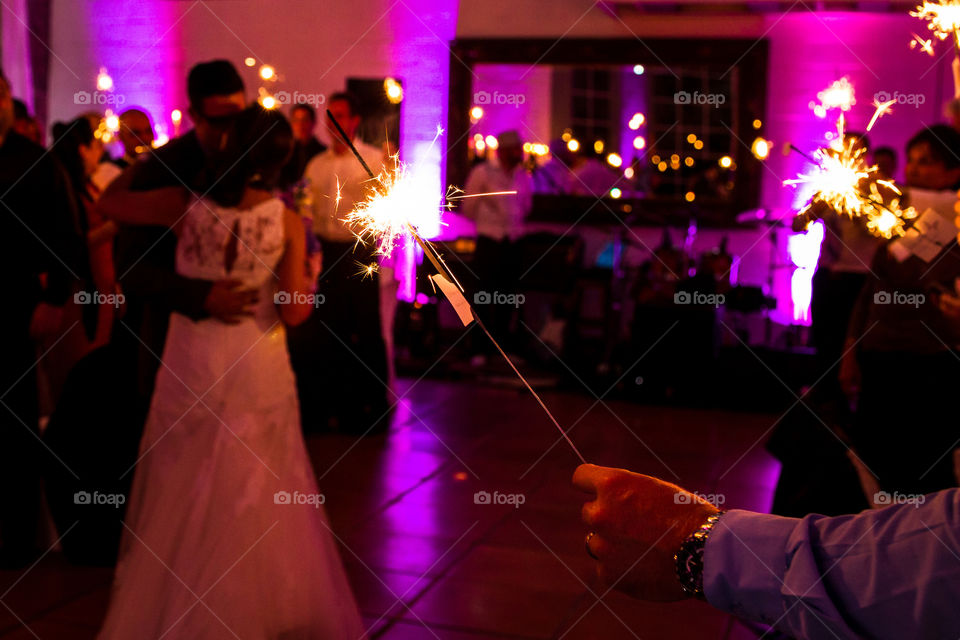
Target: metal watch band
<point>689,559</point>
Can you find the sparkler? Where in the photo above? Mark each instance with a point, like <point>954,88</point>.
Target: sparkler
<point>845,185</point>
<point>386,216</point>
<point>839,95</point>
<point>943,19</point>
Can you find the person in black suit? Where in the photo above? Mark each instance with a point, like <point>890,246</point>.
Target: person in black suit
<point>40,260</point>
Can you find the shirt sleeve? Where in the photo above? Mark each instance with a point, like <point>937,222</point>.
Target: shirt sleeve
<point>888,573</point>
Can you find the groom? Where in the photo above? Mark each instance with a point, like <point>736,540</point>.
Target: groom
<point>146,255</point>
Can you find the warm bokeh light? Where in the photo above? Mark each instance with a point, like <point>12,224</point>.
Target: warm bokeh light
<point>492,142</point>
<point>638,69</point>
<point>639,142</point>
<point>628,173</point>
<point>394,90</point>
<point>476,113</point>
<point>688,161</point>
<point>691,138</point>
<point>636,121</point>
<point>573,145</point>
<point>615,193</point>
<point>598,146</point>
<point>176,116</point>
<point>726,162</point>
<point>104,81</point>
<point>267,72</point>
<point>690,196</point>
<point>757,124</point>
<point>249,62</point>
<point>760,148</point>
<point>614,160</point>
<point>698,145</point>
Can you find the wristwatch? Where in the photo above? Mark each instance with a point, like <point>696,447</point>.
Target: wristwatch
<point>689,558</point>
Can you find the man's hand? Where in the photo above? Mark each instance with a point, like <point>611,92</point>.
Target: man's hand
<point>229,302</point>
<point>45,321</point>
<point>639,523</point>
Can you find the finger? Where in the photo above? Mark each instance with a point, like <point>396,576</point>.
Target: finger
<point>586,476</point>
<point>590,513</point>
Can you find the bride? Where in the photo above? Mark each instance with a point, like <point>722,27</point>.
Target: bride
<point>226,535</point>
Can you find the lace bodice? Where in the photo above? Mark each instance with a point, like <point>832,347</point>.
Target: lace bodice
<point>218,242</point>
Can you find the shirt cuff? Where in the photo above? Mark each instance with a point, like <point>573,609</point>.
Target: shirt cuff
<point>745,562</point>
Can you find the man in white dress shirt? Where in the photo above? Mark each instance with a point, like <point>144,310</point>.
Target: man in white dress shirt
<point>499,221</point>
<point>338,354</point>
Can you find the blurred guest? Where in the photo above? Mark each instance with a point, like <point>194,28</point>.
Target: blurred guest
<point>135,134</point>
<point>41,258</point>
<point>79,151</point>
<point>555,176</point>
<point>886,160</point>
<point>890,573</point>
<point>303,120</point>
<point>25,124</point>
<point>500,220</point>
<point>898,333</point>
<point>592,176</point>
<point>339,354</point>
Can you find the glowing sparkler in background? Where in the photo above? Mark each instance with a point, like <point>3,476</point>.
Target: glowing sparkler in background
<point>943,19</point>
<point>844,184</point>
<point>839,95</point>
<point>391,211</point>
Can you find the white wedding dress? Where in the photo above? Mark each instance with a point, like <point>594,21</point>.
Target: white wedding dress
<point>225,536</point>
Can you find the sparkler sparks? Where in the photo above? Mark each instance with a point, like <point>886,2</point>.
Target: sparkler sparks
<point>943,18</point>
<point>924,45</point>
<point>844,184</point>
<point>391,212</point>
<point>839,95</point>
<point>882,108</point>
